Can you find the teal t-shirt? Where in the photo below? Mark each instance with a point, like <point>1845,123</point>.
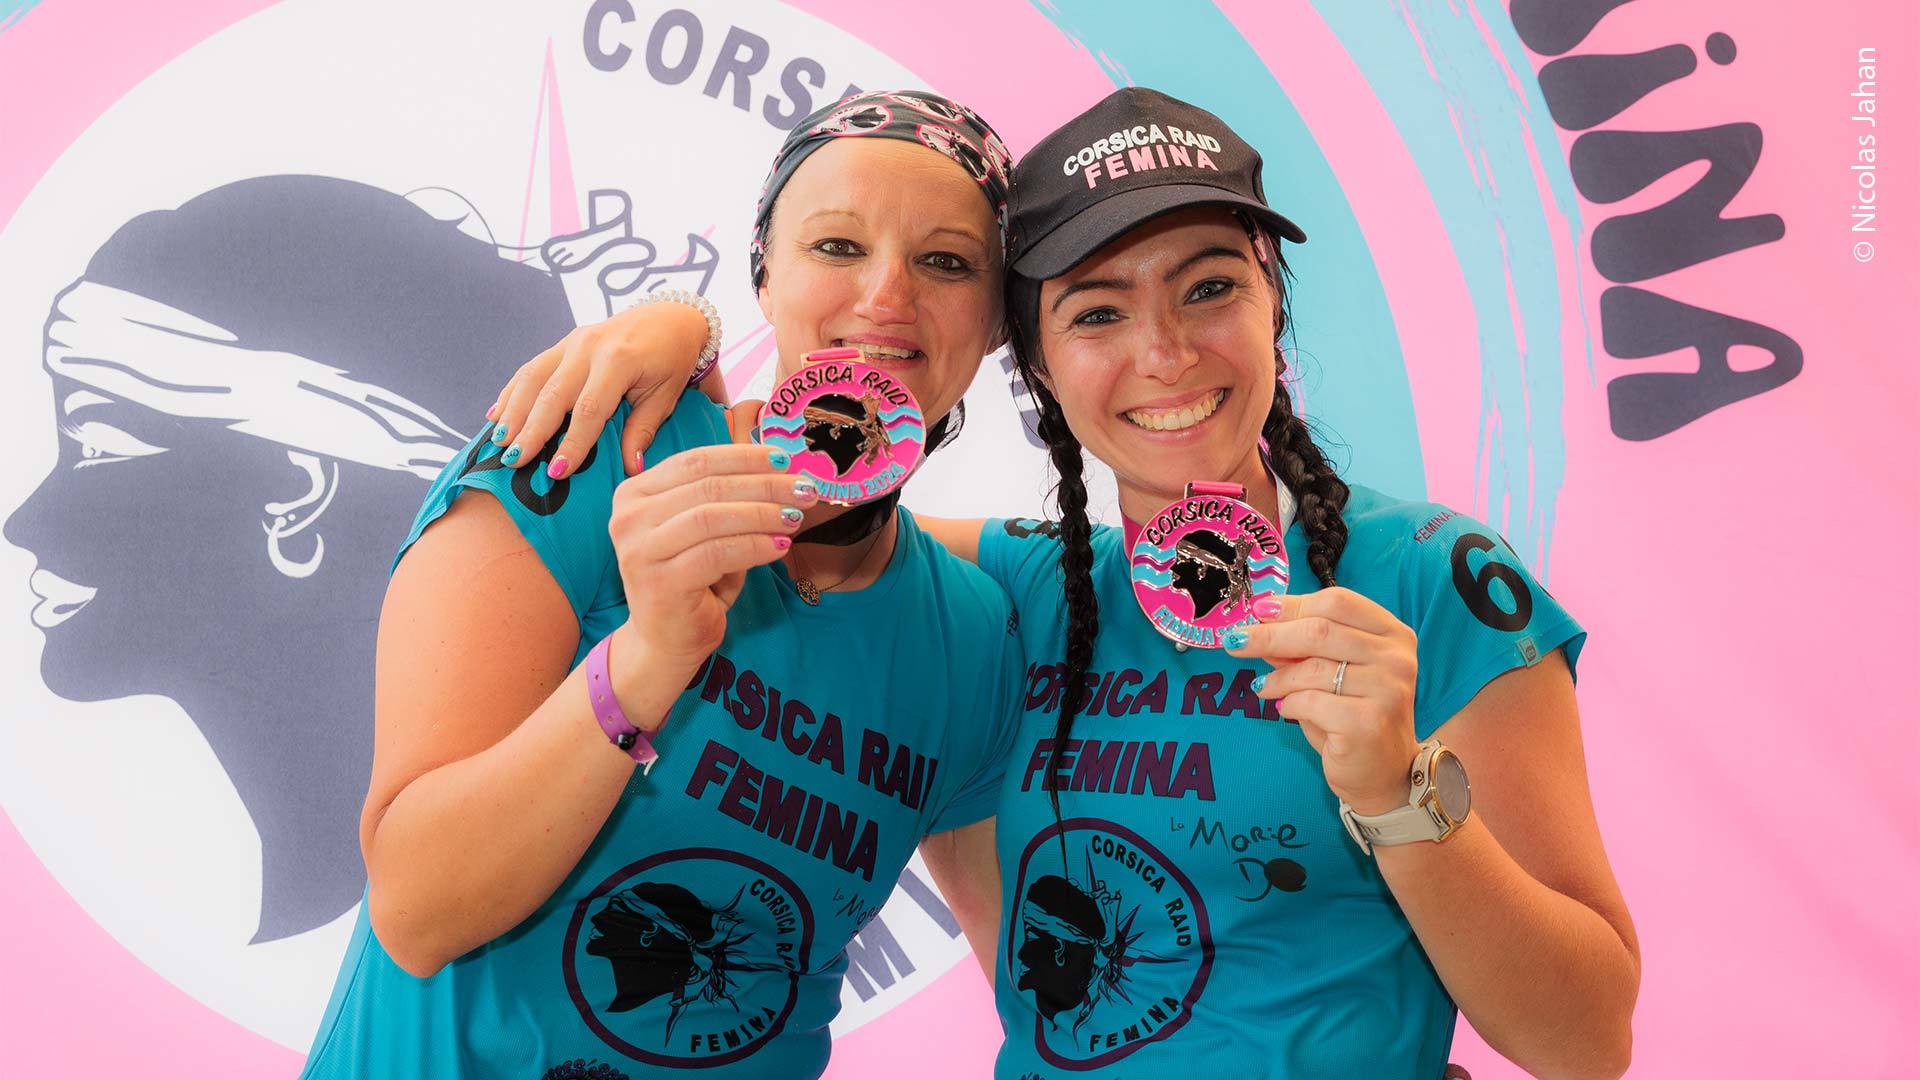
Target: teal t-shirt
<point>1203,911</point>
<point>706,927</point>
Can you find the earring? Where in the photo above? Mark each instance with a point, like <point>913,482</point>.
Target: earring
<point>291,518</point>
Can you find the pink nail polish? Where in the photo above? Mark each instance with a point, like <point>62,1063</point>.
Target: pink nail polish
<point>639,461</point>
<point>1267,607</point>
<point>493,411</point>
<point>782,543</point>
<point>557,469</point>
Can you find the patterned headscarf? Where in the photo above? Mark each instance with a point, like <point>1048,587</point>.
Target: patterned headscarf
<point>918,116</point>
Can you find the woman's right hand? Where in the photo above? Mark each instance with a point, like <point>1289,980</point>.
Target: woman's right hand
<point>686,532</point>
<point>642,355</point>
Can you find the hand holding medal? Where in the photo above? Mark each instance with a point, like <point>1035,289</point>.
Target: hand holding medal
<point>1344,669</point>
<point>686,531</point>
<point>851,427</point>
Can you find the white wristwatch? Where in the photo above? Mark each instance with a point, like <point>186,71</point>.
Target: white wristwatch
<point>1439,802</point>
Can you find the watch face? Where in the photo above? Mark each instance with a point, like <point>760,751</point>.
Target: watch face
<point>1450,786</point>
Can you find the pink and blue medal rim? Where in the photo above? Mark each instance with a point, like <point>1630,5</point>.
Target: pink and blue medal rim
<point>852,428</point>
<point>1201,562</point>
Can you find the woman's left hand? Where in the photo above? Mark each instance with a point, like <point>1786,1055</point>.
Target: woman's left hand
<point>1364,734</point>
<point>642,355</point>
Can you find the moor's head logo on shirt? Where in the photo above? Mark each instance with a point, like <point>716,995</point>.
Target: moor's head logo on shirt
<point>1112,949</point>
<point>689,958</point>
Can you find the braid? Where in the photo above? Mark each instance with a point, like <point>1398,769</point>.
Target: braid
<point>1318,492</point>
<point>1319,495</point>
<point>1076,531</point>
<point>1076,568</point>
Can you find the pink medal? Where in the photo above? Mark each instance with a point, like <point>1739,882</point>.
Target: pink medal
<point>1200,563</point>
<point>853,428</point>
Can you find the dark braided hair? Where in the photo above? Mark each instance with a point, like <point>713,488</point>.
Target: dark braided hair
<point>1320,496</point>
<point>1076,568</point>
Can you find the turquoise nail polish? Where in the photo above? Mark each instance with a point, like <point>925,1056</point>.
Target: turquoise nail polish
<point>780,459</point>
<point>511,457</point>
<point>1258,682</point>
<point>499,434</point>
<point>1232,639</point>
<point>792,515</point>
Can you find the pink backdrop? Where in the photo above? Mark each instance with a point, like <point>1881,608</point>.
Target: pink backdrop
<point>1746,730</point>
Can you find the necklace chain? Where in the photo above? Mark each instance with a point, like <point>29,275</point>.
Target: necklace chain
<point>810,592</point>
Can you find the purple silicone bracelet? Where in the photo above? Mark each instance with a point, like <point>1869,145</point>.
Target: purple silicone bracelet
<point>607,710</point>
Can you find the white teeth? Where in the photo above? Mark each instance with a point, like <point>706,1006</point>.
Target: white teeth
<point>885,351</point>
<point>60,599</point>
<point>1176,419</point>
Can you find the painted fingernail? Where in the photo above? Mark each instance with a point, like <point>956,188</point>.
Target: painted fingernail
<point>1232,639</point>
<point>1258,682</point>
<point>558,468</point>
<point>779,459</point>
<point>791,515</point>
<point>493,411</point>
<point>511,457</point>
<point>1267,607</point>
<point>499,434</point>
<point>782,543</point>
<point>804,490</point>
<point>639,461</point>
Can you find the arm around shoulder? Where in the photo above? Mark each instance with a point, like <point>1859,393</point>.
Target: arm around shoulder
<point>960,536</point>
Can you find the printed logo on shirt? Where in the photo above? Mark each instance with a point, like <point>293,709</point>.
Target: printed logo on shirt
<point>689,957</point>
<point>1110,945</point>
<point>535,490</point>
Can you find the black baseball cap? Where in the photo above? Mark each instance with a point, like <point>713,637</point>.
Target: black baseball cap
<point>1134,156</point>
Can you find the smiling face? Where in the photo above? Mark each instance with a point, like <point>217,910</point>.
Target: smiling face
<point>888,247</point>
<point>1159,348</point>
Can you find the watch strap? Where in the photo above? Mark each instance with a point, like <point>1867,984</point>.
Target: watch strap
<point>1421,819</point>
<point>1403,825</point>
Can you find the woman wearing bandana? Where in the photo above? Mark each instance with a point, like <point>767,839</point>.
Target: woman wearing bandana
<point>812,691</point>
<point>1264,859</point>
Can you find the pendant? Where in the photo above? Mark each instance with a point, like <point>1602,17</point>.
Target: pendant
<point>852,428</point>
<point>1200,563</point>
<point>808,591</point>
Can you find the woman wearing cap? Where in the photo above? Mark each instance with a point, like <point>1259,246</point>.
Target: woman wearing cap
<point>1265,858</point>
<point>540,907</point>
